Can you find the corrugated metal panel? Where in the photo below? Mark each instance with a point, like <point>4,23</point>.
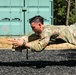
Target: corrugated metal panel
<point>15,14</point>
<point>11,17</point>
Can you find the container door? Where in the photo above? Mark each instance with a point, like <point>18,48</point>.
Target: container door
<point>32,10</point>
<point>38,7</point>
<point>45,9</point>
<point>11,17</point>
<point>15,15</point>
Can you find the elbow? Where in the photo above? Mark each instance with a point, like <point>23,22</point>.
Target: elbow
<point>38,49</point>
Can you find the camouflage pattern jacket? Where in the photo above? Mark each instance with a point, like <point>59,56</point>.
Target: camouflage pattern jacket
<point>50,33</point>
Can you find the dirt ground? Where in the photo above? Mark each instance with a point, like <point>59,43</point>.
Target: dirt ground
<point>4,44</point>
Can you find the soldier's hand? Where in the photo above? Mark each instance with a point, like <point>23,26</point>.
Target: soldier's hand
<point>12,40</point>
<point>15,42</point>
<point>18,42</point>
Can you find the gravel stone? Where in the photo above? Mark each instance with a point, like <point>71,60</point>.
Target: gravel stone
<point>53,62</point>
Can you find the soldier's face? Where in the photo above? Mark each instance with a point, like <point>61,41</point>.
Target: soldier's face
<point>36,27</point>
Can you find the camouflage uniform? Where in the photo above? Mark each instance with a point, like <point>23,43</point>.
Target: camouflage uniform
<point>51,33</point>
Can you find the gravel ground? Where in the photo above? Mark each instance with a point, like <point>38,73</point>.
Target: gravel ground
<point>38,63</point>
<point>48,70</point>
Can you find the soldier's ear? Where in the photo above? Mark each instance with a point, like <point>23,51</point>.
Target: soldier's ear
<point>40,25</point>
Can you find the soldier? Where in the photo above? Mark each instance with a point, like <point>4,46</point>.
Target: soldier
<point>45,33</point>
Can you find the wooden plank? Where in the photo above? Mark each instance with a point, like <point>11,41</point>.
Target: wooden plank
<point>5,44</point>
<point>62,46</point>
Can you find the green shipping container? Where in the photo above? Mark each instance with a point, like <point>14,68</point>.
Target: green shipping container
<point>15,14</point>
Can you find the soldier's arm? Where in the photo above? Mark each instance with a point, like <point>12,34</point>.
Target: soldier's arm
<point>40,43</point>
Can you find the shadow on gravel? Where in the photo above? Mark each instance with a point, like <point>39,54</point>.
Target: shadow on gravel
<point>39,64</point>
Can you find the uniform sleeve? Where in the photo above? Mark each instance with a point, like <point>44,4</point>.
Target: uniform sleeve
<point>36,44</point>
<point>25,38</point>
<point>40,44</point>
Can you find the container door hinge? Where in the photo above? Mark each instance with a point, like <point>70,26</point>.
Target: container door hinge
<point>24,10</point>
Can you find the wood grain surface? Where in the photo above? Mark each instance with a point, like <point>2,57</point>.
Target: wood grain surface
<point>4,43</point>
